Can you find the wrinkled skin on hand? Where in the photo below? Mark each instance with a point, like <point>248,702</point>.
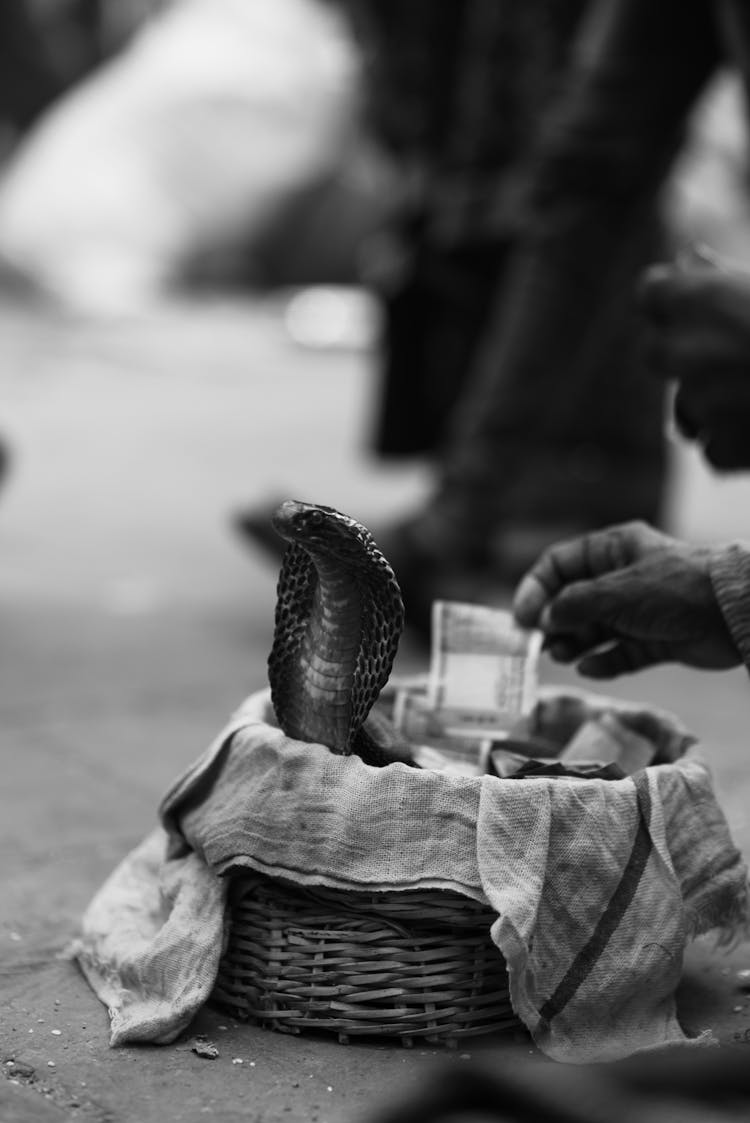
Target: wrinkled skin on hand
<point>625,598</point>
<point>697,331</point>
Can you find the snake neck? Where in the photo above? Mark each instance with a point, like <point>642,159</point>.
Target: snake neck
<point>318,705</point>
<point>339,615</point>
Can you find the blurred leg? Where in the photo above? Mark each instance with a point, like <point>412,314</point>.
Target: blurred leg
<point>29,82</point>
<point>433,320</point>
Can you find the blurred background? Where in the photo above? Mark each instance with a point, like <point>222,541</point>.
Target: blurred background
<point>187,194</point>
<point>187,191</point>
<point>185,184</point>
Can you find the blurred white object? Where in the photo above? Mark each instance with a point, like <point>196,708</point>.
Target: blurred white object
<point>195,132</point>
<point>707,199</point>
<point>333,317</point>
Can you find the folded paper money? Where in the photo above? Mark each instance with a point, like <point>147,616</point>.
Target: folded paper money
<point>483,669</point>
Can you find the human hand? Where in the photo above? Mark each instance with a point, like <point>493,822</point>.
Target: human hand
<point>697,331</point>
<point>625,598</point>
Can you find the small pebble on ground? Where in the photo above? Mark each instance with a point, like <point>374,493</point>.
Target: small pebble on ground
<point>202,1047</point>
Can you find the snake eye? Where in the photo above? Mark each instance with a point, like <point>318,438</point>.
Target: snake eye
<point>315,518</point>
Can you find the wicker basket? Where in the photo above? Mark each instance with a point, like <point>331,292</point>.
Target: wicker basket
<point>399,964</point>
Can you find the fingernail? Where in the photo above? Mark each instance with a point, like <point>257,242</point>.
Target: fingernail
<point>525,589</point>
<point>527,602</point>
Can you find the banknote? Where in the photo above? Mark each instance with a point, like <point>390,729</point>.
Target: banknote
<point>419,724</point>
<point>483,671</point>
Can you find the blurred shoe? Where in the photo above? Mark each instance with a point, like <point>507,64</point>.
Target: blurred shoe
<point>255,529</point>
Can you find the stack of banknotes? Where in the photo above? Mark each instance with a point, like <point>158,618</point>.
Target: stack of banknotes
<point>475,711</point>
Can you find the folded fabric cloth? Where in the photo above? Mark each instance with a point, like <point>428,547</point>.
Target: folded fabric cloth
<point>151,942</point>
<point>598,884</point>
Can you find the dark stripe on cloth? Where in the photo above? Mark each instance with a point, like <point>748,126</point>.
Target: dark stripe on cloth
<point>619,902</point>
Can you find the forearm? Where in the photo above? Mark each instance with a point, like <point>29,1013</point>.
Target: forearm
<point>730,577</point>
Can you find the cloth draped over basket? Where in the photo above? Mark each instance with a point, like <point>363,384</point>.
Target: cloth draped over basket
<point>598,885</point>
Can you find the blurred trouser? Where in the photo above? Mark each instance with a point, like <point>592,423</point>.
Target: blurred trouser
<point>29,81</point>
<point>554,392</point>
<point>539,450</point>
<point>433,321</point>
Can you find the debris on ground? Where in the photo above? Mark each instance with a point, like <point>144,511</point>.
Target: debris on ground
<point>202,1047</point>
<point>19,1069</point>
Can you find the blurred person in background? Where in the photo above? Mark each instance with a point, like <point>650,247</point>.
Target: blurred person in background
<point>605,153</point>
<point>627,597</point>
<point>45,48</point>
<point>696,333</point>
<point>29,78</point>
<point>525,448</point>
<point>29,83</point>
<point>511,472</point>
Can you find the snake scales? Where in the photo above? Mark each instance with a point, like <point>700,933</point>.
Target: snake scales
<point>339,617</point>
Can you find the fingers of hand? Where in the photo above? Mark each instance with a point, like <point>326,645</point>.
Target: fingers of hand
<point>696,355</point>
<point>608,606</point>
<point>656,290</point>
<point>561,564</point>
<point>727,447</point>
<point>719,420</point>
<point>557,566</point>
<point>530,598</point>
<point>712,403</point>
<point>578,561</point>
<point>696,329</point>
<point>667,293</point>
<point>685,419</point>
<point>701,293</point>
<point>623,657</point>
<point>566,647</point>
<point>581,620</point>
<point>626,606</point>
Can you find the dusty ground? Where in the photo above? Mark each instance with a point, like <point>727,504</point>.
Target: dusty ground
<point>132,623</point>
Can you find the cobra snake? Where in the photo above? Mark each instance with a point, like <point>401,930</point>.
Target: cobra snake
<point>338,620</point>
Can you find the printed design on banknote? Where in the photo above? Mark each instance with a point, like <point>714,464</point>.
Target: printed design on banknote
<point>482,680</point>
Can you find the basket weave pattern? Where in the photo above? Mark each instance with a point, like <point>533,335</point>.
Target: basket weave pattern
<point>406,964</point>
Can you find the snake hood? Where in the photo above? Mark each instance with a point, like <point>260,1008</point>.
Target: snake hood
<point>339,617</point>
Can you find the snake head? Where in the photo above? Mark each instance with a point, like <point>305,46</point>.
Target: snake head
<point>322,530</point>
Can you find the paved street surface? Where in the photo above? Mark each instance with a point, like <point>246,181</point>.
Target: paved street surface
<point>131,624</point>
